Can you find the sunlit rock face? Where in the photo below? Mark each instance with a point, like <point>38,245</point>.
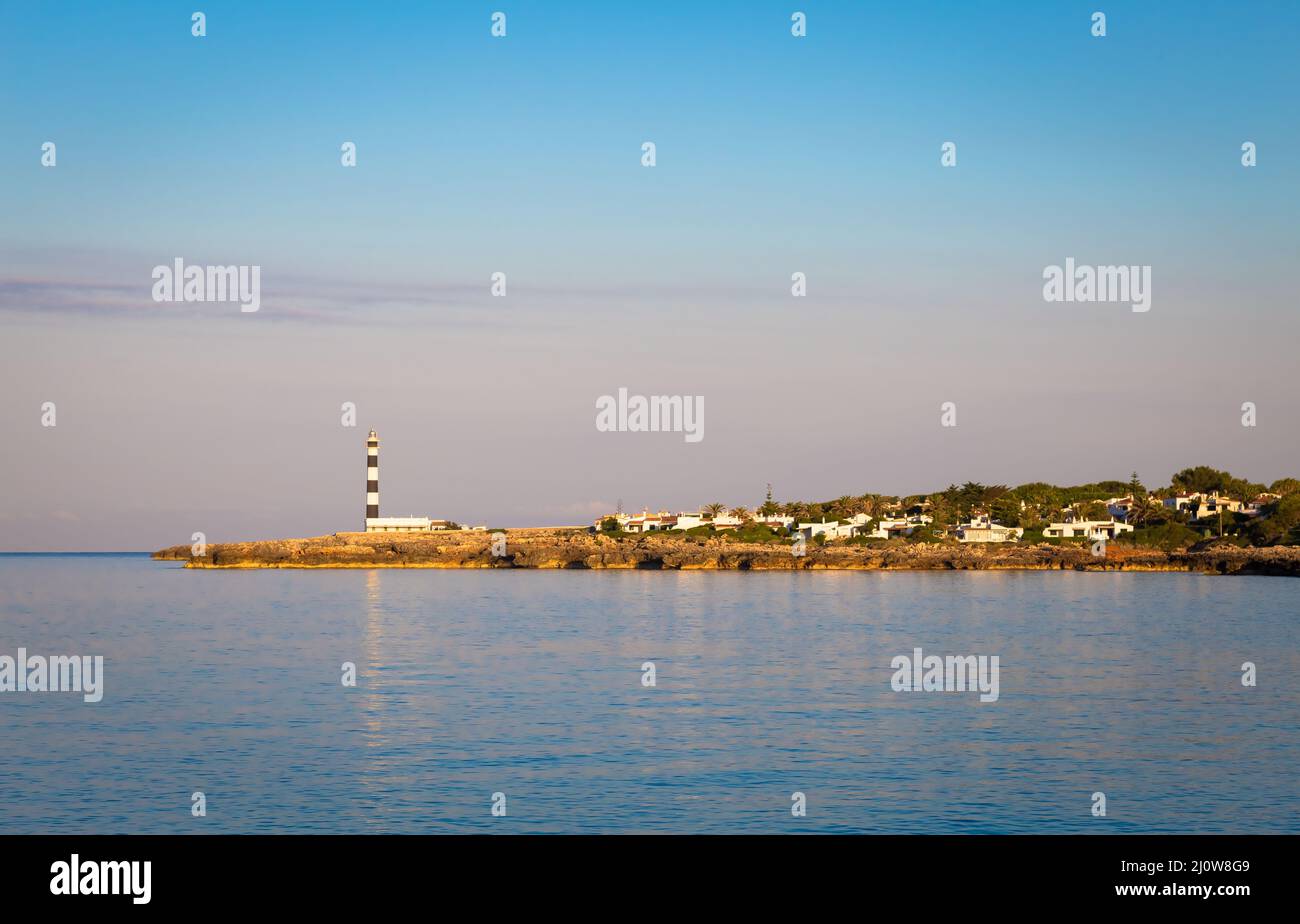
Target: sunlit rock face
<point>579,549</point>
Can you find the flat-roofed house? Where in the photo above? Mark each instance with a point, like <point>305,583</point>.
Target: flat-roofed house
<point>1086,529</point>
<point>691,520</point>
<point>894,527</point>
<point>982,529</point>
<point>648,522</point>
<point>832,530</point>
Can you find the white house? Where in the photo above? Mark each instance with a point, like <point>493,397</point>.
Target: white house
<point>1087,529</point>
<point>691,520</point>
<point>1200,506</point>
<point>893,527</point>
<point>647,522</point>
<point>1214,503</point>
<point>832,530</point>
<point>982,529</point>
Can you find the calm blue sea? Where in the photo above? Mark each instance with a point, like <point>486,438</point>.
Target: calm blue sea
<point>529,684</point>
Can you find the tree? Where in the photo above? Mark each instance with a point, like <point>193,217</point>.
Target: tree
<point>1044,499</point>
<point>1147,512</point>
<point>1094,510</point>
<point>1135,487</point>
<point>1285,486</point>
<point>1278,523</point>
<point>742,514</point>
<point>712,510</point>
<point>770,508</point>
<point>872,505</point>
<point>609,525</point>
<point>842,507</point>
<point>1201,479</point>
<point>1006,510</point>
<point>993,492</point>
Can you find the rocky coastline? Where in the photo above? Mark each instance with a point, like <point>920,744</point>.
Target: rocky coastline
<point>559,548</point>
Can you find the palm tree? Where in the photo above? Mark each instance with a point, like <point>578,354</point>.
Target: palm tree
<point>712,510</point>
<point>742,514</point>
<point>1145,511</point>
<point>872,504</point>
<point>1093,510</point>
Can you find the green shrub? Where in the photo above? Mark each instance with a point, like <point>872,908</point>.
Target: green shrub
<point>1166,536</point>
<point>756,532</point>
<point>1278,523</point>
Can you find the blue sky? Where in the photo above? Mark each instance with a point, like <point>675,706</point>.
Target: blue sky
<point>775,154</point>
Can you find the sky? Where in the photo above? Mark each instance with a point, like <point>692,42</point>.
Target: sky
<point>522,154</point>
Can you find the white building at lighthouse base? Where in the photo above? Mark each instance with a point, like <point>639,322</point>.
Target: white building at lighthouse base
<point>403,524</point>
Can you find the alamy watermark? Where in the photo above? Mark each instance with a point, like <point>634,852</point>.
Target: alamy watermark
<point>922,673</point>
<point>55,674</point>
<point>194,283</point>
<point>654,414</point>
<point>1083,283</point>
<point>75,876</point>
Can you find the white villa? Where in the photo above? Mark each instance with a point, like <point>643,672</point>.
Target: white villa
<point>1086,529</point>
<point>1211,505</point>
<point>1181,501</point>
<point>832,530</point>
<point>891,527</point>
<point>1200,506</point>
<point>982,529</point>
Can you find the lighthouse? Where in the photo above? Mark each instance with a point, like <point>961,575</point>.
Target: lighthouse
<point>374,522</point>
<point>372,477</point>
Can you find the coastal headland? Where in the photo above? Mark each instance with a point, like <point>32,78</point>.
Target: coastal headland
<point>576,548</point>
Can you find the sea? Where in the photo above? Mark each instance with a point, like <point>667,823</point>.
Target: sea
<point>516,701</point>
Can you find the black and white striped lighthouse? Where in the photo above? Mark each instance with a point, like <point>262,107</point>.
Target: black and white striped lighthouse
<point>372,475</point>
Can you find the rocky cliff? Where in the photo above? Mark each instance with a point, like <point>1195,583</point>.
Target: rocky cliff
<point>576,548</point>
